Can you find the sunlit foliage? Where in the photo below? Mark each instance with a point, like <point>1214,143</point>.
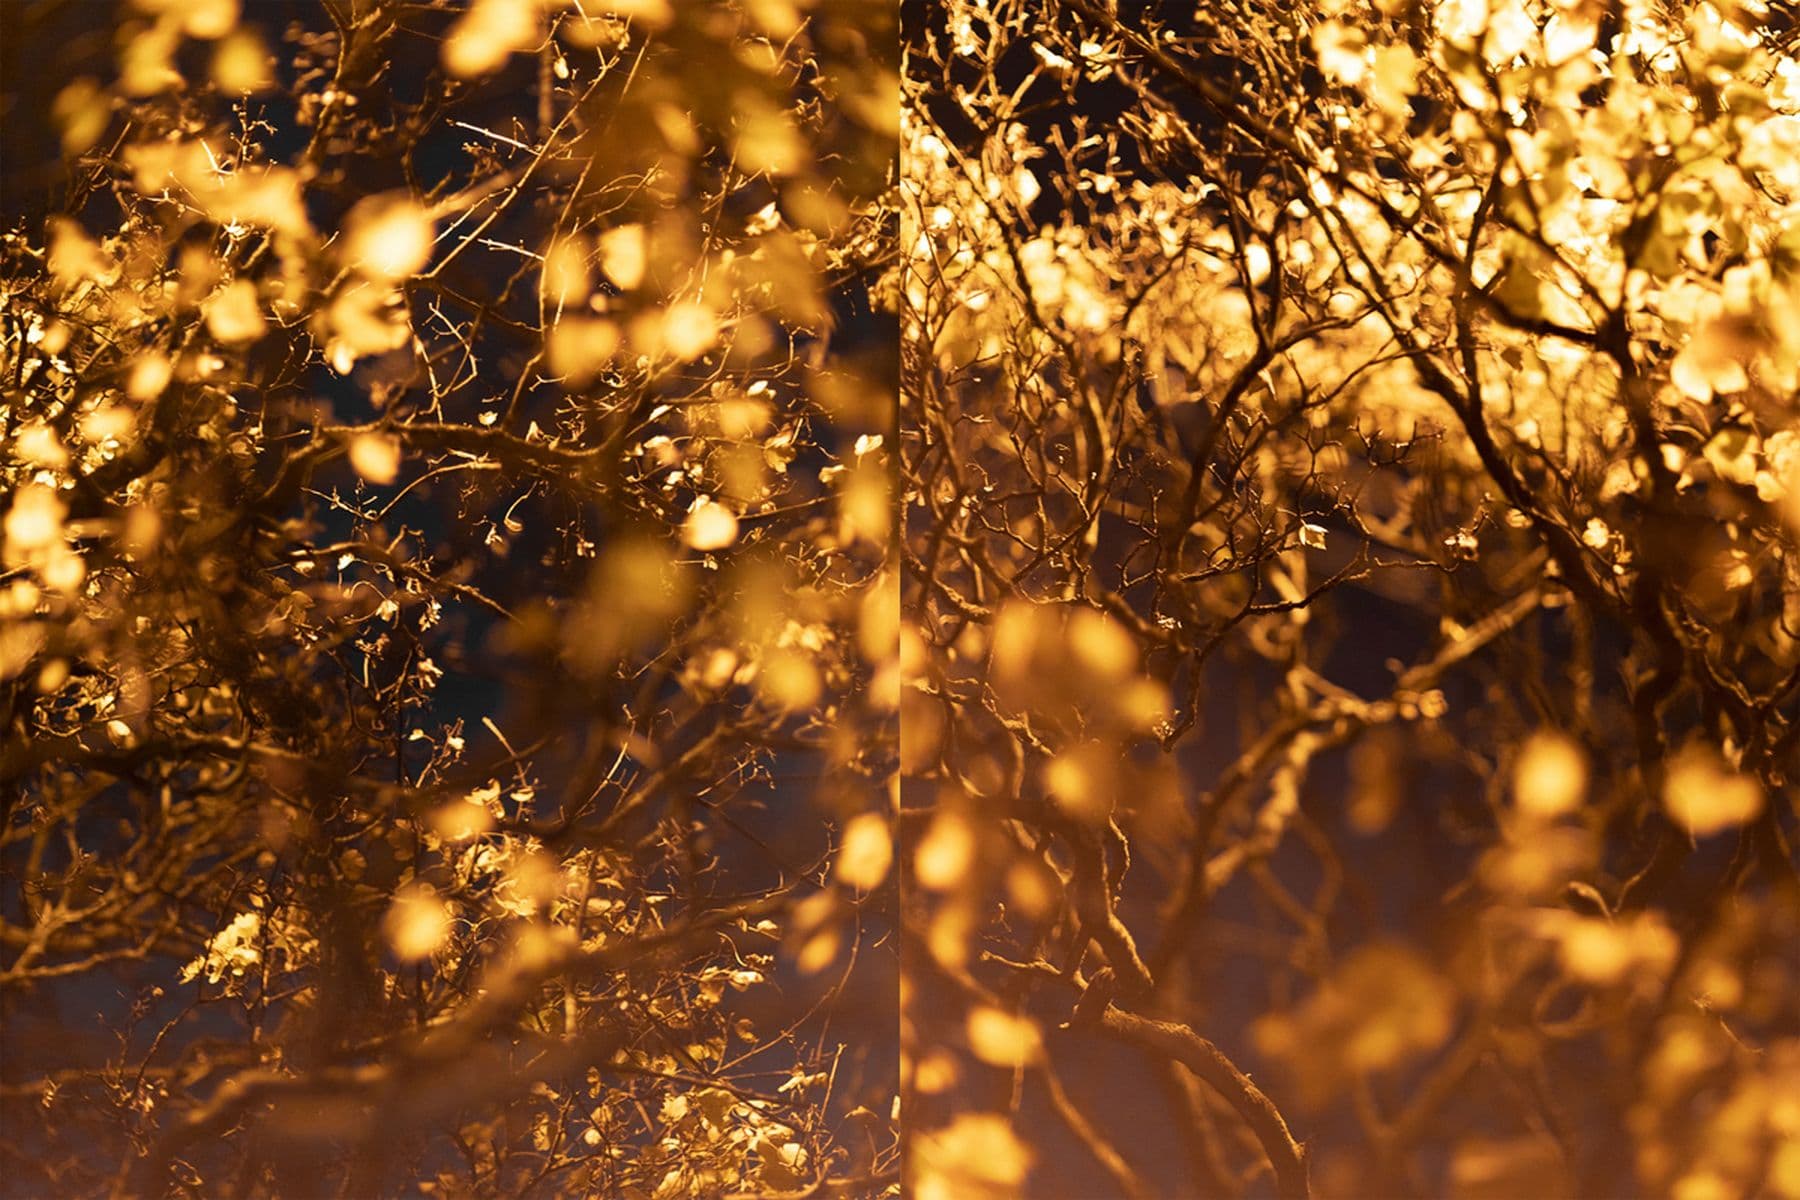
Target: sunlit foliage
<point>448,625</point>
<point>1352,641</point>
<point>1305,700</point>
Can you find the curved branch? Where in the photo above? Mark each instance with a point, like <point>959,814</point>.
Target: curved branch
<point>1286,1156</point>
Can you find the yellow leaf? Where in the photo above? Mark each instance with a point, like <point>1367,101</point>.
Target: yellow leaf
<point>150,374</point>
<point>489,33</point>
<point>417,923</point>
<point>232,315</point>
<point>1550,776</point>
<point>864,507</point>
<point>36,444</point>
<point>146,61</point>
<point>578,348</point>
<point>1384,1006</point>
<point>75,258</point>
<point>241,63</point>
<point>208,19</point>
<point>651,14</point>
<point>565,276</point>
<point>1602,952</point>
<point>789,680</point>
<point>689,329</point>
<point>1394,79</point>
<point>819,950</point>
<point>1080,781</point>
<point>1003,1039</point>
<point>108,423</point>
<point>1705,797</point>
<point>461,821</point>
<point>936,1072</point>
<point>866,852</point>
<point>1340,49</point>
<point>766,140</point>
<point>34,521</point>
<point>1102,645</point>
<point>81,110</point>
<point>977,1154</point>
<point>625,255</point>
<point>946,852</point>
<point>879,627</point>
<point>710,526</point>
<point>1568,34</point>
<point>376,457</point>
<point>388,238</point>
<point>1461,20</point>
<point>364,319</point>
<point>1712,362</point>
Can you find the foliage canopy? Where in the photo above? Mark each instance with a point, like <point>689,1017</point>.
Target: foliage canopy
<point>1230,573</point>
<point>443,646</point>
<point>1352,478</point>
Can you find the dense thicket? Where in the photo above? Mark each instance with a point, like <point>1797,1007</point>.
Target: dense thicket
<point>1351,478</point>
<point>445,640</point>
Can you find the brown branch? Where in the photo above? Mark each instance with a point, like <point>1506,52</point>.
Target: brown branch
<point>1286,1156</point>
